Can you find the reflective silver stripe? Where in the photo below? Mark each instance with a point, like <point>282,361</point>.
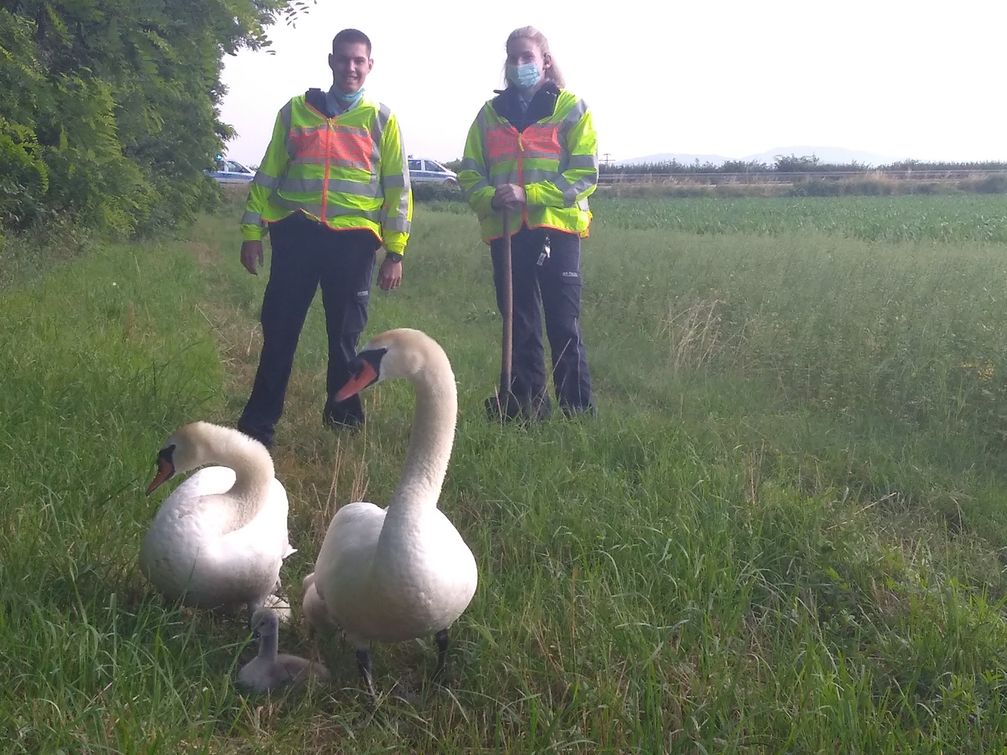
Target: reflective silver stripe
<point>350,130</point>
<point>571,119</point>
<point>380,123</point>
<point>571,190</point>
<point>316,185</point>
<point>537,154</point>
<point>290,204</point>
<point>576,113</point>
<point>569,193</point>
<point>531,176</point>
<point>404,205</point>
<point>332,210</point>
<point>266,181</point>
<point>394,182</point>
<point>285,115</point>
<point>401,213</point>
<point>357,188</point>
<point>396,224</point>
<point>582,161</point>
<point>470,164</point>
<point>251,218</point>
<point>392,218</point>
<point>378,131</point>
<point>481,184</point>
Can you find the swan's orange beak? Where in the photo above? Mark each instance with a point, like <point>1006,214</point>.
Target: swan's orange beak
<point>165,469</point>
<point>363,377</point>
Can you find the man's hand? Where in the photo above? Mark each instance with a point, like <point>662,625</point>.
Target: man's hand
<point>510,196</point>
<point>251,256</point>
<point>390,274</point>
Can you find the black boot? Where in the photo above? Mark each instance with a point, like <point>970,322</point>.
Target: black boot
<point>342,414</point>
<point>510,407</point>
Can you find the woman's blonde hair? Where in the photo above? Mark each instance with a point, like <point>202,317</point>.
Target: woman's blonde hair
<point>552,73</point>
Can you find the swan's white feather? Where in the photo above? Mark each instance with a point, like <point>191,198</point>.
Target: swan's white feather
<point>193,550</point>
<point>394,577</point>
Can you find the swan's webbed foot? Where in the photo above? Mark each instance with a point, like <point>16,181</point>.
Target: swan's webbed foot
<point>364,666</point>
<point>442,653</point>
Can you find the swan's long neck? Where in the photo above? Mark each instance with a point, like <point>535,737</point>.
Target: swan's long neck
<point>269,645</point>
<point>253,472</point>
<point>430,441</point>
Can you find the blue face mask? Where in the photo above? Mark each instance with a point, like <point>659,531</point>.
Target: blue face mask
<point>348,99</point>
<point>524,76</point>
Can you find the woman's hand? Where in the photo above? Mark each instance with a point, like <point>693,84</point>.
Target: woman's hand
<point>510,196</point>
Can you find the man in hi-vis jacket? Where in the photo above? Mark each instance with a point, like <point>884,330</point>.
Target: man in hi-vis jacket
<point>332,189</point>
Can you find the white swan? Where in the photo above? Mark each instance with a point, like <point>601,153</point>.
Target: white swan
<point>220,537</point>
<point>402,572</point>
<point>270,670</point>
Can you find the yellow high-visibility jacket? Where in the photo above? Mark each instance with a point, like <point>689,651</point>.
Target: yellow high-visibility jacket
<point>554,159</point>
<point>348,171</point>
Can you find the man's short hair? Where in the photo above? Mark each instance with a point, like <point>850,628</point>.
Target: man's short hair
<point>353,37</point>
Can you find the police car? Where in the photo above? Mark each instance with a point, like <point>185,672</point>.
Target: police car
<point>230,172</point>
<point>424,171</point>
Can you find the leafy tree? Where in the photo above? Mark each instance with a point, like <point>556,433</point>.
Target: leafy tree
<point>111,108</point>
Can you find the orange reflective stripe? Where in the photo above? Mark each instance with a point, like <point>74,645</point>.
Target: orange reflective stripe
<point>340,145</point>
<point>542,140</point>
<point>505,143</point>
<point>501,143</point>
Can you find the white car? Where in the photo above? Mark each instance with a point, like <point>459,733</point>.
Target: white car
<point>423,171</point>
<point>231,172</point>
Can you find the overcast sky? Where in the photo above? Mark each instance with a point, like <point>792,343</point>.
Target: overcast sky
<point>894,78</point>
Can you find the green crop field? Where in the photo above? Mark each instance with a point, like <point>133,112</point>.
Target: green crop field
<point>784,531</point>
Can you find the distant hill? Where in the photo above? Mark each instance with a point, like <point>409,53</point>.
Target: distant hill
<point>835,155</point>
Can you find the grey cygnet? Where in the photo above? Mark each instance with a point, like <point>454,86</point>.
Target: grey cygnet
<point>270,671</point>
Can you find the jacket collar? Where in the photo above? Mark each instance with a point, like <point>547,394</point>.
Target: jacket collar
<point>507,105</point>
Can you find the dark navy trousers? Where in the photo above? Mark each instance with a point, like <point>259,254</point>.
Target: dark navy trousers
<point>552,287</point>
<point>306,255</point>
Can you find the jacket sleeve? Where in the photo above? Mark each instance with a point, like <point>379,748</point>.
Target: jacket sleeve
<point>578,167</point>
<point>397,209</point>
<point>473,175</point>
<point>267,177</point>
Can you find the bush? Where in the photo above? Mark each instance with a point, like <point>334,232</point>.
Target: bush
<point>426,192</point>
<point>992,184</point>
<point>23,176</point>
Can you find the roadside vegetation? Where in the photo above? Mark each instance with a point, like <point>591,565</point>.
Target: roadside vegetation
<point>783,532</point>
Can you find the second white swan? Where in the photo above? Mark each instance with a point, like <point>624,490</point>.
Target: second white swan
<point>404,571</point>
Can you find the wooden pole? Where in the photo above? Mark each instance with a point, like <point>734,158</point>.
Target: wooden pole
<point>507,344</point>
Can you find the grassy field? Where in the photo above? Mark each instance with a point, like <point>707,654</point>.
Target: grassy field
<point>784,531</point>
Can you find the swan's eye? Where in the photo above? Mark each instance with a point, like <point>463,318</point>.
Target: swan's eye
<point>165,468</point>
<point>165,454</point>
<point>365,369</point>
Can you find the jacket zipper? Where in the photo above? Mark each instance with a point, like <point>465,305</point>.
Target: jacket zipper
<point>520,177</point>
<point>329,134</point>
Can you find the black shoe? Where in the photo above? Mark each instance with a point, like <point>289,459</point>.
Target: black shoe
<point>512,408</point>
<point>571,412</point>
<point>343,414</point>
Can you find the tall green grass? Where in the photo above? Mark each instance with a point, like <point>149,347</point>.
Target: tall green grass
<point>782,532</point>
